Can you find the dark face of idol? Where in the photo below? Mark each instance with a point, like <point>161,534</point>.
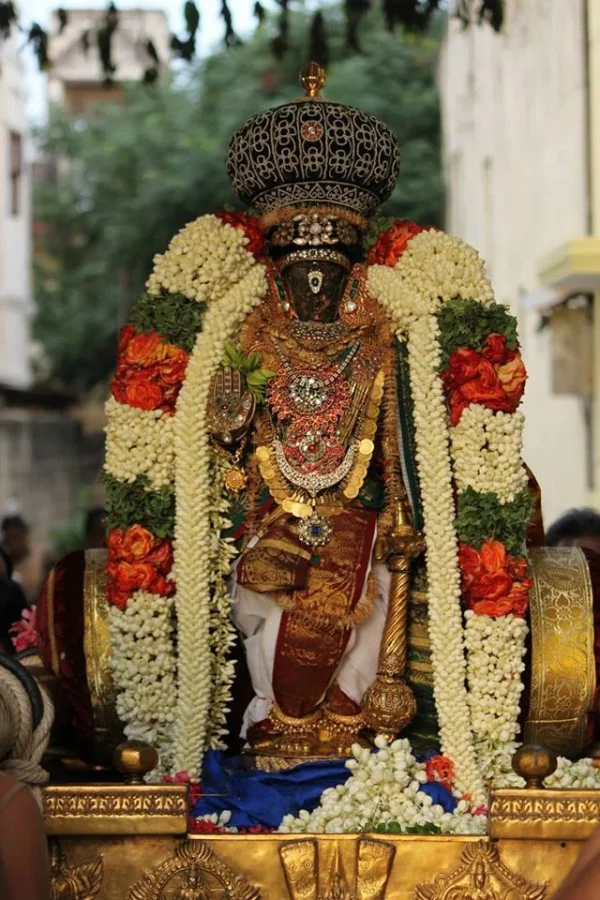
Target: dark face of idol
<point>315,289</point>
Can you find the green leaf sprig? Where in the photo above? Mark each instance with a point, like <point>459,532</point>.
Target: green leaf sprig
<point>466,323</point>
<point>135,503</point>
<point>482,517</point>
<point>172,315</point>
<point>249,366</point>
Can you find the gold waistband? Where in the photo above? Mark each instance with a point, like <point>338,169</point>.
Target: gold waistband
<point>563,673</point>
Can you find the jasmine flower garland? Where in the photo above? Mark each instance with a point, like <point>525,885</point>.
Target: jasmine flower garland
<point>203,261</point>
<point>384,788</point>
<point>143,668</point>
<point>139,442</point>
<point>202,555</point>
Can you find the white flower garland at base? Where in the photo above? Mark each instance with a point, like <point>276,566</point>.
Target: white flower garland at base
<point>203,261</point>
<point>384,788</point>
<point>495,652</point>
<point>487,449</point>
<point>143,665</point>
<point>202,607</point>
<point>139,442</point>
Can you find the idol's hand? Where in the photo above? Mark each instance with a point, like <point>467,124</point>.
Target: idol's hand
<point>231,406</point>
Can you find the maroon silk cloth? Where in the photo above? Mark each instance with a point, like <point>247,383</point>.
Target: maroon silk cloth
<point>60,624</point>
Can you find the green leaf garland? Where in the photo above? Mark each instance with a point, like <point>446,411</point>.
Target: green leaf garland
<point>482,517</point>
<point>467,323</point>
<point>135,503</point>
<point>171,315</point>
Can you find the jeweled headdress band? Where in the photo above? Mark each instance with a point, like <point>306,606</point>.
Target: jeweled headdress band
<point>286,214</point>
<point>315,230</point>
<point>314,255</point>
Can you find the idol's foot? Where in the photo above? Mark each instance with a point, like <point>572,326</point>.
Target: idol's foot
<point>284,735</point>
<point>285,740</point>
<point>337,734</point>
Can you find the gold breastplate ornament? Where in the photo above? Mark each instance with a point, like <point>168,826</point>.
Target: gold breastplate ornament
<point>321,413</point>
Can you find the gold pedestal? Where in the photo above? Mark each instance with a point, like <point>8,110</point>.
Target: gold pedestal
<point>128,842</point>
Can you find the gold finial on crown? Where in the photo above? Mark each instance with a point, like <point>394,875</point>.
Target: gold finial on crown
<point>313,80</point>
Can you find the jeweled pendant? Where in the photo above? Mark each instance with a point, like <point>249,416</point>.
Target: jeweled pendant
<point>315,531</point>
<point>235,480</point>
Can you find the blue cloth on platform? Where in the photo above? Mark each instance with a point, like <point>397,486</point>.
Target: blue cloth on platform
<point>439,793</point>
<point>264,798</point>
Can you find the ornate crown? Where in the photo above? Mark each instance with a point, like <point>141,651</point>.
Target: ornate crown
<point>313,153</point>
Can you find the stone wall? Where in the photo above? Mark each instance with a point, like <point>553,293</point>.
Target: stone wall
<point>45,461</point>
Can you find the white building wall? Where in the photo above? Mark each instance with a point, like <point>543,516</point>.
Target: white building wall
<point>515,154</point>
<point>15,230</point>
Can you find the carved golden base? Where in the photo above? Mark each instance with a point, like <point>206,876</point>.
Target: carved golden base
<point>110,847</point>
<point>324,867</point>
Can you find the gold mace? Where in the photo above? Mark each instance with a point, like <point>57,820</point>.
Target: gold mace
<point>388,705</point>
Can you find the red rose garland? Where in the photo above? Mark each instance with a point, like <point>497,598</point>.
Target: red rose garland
<point>493,582</point>
<point>150,371</point>
<point>138,561</point>
<point>494,378</point>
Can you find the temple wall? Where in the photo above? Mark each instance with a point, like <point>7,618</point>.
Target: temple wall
<point>45,461</point>
<point>515,156</point>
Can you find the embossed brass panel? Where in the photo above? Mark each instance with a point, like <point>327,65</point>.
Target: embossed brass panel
<point>111,848</point>
<point>562,659</point>
<point>480,875</point>
<point>115,809</point>
<point>545,814</point>
<point>192,872</point>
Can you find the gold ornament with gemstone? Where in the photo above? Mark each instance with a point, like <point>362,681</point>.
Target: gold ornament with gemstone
<point>235,480</point>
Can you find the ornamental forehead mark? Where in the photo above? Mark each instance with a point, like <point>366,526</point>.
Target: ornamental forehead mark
<point>312,130</point>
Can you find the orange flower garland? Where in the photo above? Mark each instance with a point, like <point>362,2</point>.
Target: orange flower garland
<point>137,561</point>
<point>150,371</point>
<point>391,244</point>
<point>493,582</point>
<point>440,769</point>
<point>494,378</point>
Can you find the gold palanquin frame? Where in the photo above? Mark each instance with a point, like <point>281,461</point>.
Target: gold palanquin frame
<point>119,842</point>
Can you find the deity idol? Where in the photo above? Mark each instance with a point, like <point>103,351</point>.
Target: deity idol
<point>319,518</point>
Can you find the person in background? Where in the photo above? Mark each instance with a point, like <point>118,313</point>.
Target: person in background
<point>24,867</point>
<point>12,603</point>
<point>583,881</point>
<point>95,529</point>
<point>28,561</point>
<point>577,528</point>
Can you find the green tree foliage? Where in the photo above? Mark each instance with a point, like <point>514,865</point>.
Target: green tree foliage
<point>127,177</point>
